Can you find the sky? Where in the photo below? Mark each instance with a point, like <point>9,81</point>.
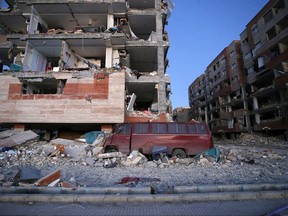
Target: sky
<point>198,31</point>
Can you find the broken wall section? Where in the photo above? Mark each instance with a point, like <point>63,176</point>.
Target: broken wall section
<point>88,100</point>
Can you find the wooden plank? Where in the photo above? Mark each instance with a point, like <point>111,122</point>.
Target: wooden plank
<point>46,180</point>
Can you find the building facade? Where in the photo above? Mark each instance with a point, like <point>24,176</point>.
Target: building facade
<point>247,83</point>
<point>264,44</point>
<point>81,63</point>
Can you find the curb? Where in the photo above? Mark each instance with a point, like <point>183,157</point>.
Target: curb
<point>145,197</point>
<point>229,188</point>
<point>83,190</point>
<point>144,194</point>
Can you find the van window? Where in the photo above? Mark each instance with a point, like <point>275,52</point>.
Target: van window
<point>201,129</point>
<point>172,128</point>
<point>182,128</point>
<point>124,129</point>
<point>141,128</point>
<point>159,128</point>
<point>191,129</point>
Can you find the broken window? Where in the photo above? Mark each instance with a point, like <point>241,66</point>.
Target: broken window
<point>268,16</point>
<point>39,85</point>
<point>136,4</point>
<point>143,59</point>
<point>271,33</point>
<point>36,23</point>
<point>42,55</point>
<point>274,52</point>
<point>282,24</point>
<point>142,25</point>
<point>75,56</point>
<point>245,41</point>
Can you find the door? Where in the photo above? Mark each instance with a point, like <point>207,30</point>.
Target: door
<point>122,138</point>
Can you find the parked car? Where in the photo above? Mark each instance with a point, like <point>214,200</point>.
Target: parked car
<point>181,139</point>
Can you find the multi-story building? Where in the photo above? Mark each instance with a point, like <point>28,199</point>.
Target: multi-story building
<point>265,49</point>
<point>225,83</point>
<point>247,83</point>
<point>197,99</point>
<point>181,114</point>
<point>83,64</point>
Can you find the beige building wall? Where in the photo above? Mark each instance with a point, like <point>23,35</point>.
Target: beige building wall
<point>106,107</point>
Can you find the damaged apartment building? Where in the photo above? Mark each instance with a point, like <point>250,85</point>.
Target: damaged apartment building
<point>83,65</point>
<point>245,88</point>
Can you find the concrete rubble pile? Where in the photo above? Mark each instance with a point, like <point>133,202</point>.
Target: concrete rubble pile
<point>239,155</point>
<point>27,151</point>
<point>254,140</point>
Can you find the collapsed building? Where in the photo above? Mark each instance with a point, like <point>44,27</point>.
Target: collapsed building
<point>245,88</point>
<point>83,64</point>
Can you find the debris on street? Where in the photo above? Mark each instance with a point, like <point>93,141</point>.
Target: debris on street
<point>72,164</point>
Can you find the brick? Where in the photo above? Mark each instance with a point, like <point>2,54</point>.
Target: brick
<point>15,89</point>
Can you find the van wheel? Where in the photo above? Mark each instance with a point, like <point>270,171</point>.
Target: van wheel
<point>179,153</point>
<point>111,149</point>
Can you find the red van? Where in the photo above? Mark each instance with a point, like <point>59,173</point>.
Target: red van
<point>181,139</point>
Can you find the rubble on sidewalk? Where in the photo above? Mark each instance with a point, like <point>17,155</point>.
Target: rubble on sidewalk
<point>111,155</point>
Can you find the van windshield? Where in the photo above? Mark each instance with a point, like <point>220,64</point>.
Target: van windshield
<point>122,129</point>
<point>115,128</point>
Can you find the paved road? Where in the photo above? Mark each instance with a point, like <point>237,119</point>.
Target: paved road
<point>253,207</point>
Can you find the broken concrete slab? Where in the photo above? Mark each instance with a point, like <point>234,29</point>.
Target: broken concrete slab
<point>184,161</point>
<point>109,164</point>
<point>7,133</point>
<point>20,138</point>
<point>96,151</point>
<point>111,155</point>
<point>90,161</point>
<point>135,158</point>
<point>65,142</point>
<point>71,148</point>
<point>46,180</point>
<point>28,175</point>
